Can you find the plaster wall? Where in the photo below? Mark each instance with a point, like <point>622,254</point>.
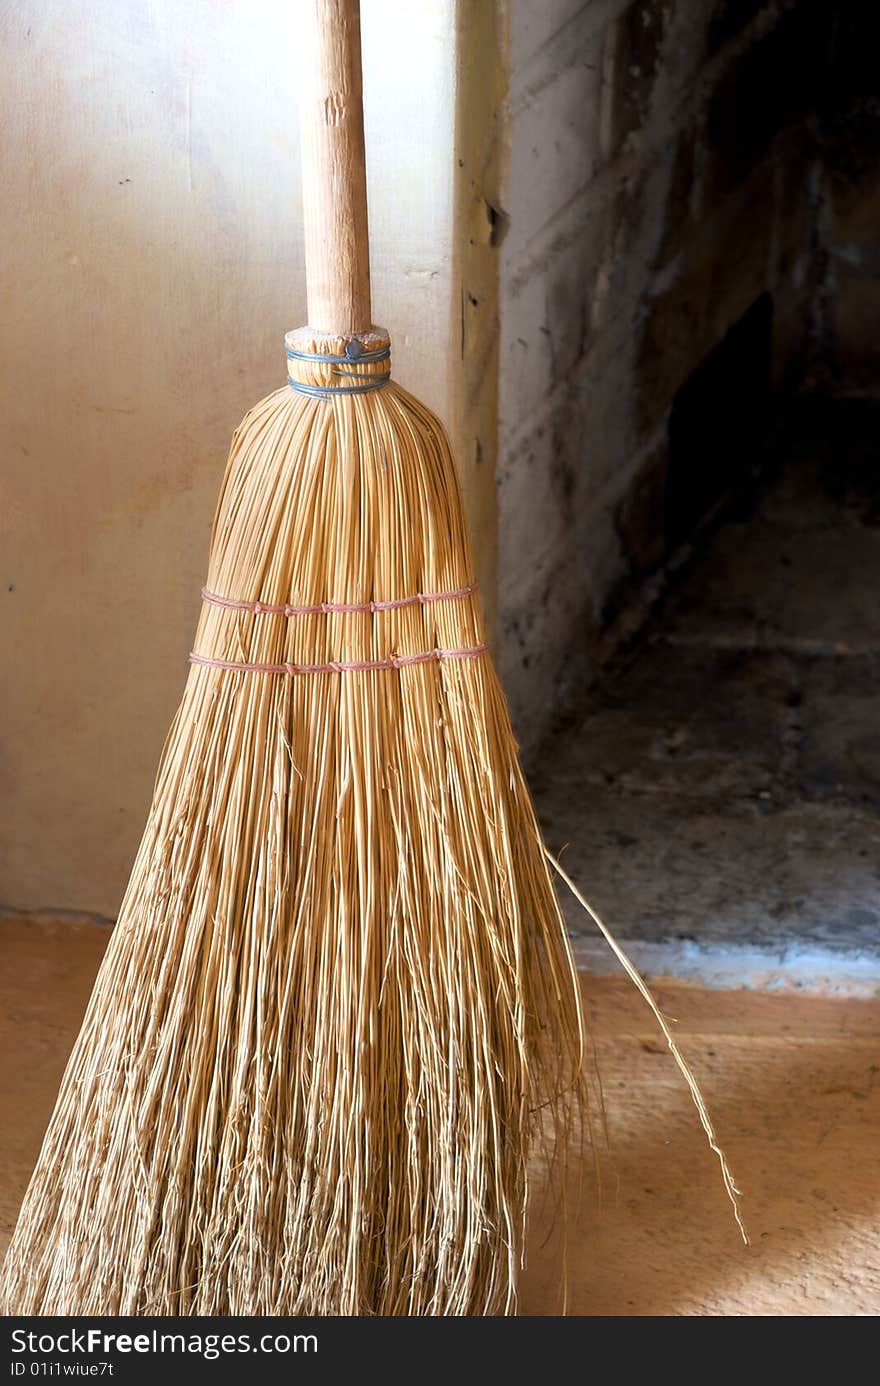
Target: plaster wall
<point>152,262</point>
<point>661,177</point>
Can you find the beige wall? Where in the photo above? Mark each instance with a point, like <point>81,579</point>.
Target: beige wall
<point>151,265</point>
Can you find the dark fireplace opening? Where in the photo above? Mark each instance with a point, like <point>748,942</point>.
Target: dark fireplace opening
<point>717,779</point>
<point>718,423</point>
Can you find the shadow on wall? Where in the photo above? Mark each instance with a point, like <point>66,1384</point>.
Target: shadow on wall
<point>671,167</point>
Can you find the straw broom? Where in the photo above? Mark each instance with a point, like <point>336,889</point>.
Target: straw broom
<point>338,1000</point>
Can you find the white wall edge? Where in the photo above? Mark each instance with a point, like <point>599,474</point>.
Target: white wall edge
<point>748,967</point>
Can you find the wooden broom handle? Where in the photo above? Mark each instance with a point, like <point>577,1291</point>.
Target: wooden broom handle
<point>333,166</point>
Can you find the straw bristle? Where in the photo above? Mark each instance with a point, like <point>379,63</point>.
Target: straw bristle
<point>339,1000</point>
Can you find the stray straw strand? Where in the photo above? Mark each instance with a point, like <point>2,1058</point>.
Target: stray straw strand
<point>638,982</point>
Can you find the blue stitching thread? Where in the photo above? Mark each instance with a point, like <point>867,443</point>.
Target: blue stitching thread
<point>374,382</point>
<point>354,356</point>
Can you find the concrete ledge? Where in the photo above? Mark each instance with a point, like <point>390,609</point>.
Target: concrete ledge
<point>746,967</point>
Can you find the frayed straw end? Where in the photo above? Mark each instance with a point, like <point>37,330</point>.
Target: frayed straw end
<point>635,977</point>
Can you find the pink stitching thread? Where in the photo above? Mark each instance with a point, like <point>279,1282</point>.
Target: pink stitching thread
<point>342,608</point>
<point>339,666</point>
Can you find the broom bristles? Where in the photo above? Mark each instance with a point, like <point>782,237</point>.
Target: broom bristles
<point>339,999</point>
